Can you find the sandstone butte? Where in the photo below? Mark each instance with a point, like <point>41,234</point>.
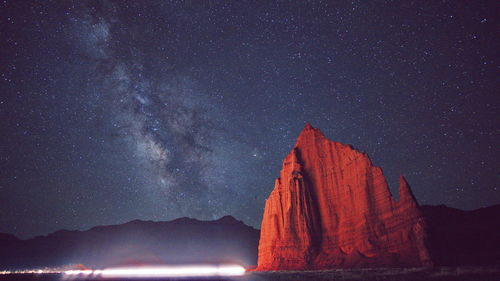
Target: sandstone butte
<point>332,208</point>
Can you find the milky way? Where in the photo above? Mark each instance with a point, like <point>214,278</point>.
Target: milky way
<point>169,123</point>
<point>118,110</point>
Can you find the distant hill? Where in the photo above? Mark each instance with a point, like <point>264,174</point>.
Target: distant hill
<point>458,237</point>
<point>183,240</point>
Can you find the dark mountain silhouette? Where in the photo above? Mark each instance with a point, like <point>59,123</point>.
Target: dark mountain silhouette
<point>183,240</point>
<point>457,237</point>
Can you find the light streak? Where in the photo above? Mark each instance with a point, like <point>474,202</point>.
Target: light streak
<point>160,271</point>
<point>84,272</point>
<point>29,271</point>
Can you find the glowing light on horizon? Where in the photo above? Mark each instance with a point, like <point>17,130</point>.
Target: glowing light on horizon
<point>161,271</point>
<point>85,272</point>
<point>30,271</point>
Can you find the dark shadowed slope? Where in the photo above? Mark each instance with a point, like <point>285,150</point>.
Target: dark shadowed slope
<point>458,237</point>
<point>184,240</point>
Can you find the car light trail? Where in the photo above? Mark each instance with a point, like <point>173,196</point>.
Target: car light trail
<point>160,271</point>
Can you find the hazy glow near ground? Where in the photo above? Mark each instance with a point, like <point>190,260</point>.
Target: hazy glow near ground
<point>160,271</point>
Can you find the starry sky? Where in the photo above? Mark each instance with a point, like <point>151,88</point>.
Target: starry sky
<point>118,110</point>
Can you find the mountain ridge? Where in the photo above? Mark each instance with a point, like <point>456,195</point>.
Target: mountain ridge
<point>129,222</point>
<point>183,240</point>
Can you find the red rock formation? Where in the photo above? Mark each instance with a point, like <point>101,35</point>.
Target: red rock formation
<point>331,208</point>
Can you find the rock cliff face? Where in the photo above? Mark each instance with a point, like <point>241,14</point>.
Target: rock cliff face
<point>331,208</point>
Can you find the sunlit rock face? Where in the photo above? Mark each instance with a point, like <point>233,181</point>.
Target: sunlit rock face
<point>331,208</point>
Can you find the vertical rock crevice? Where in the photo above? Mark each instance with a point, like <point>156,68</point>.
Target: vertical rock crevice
<point>336,211</point>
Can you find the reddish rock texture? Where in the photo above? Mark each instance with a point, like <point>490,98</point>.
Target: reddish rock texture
<point>331,208</point>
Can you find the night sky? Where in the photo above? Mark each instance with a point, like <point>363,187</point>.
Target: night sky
<point>118,110</point>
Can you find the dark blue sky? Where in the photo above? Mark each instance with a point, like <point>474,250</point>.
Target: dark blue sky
<point>119,110</point>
